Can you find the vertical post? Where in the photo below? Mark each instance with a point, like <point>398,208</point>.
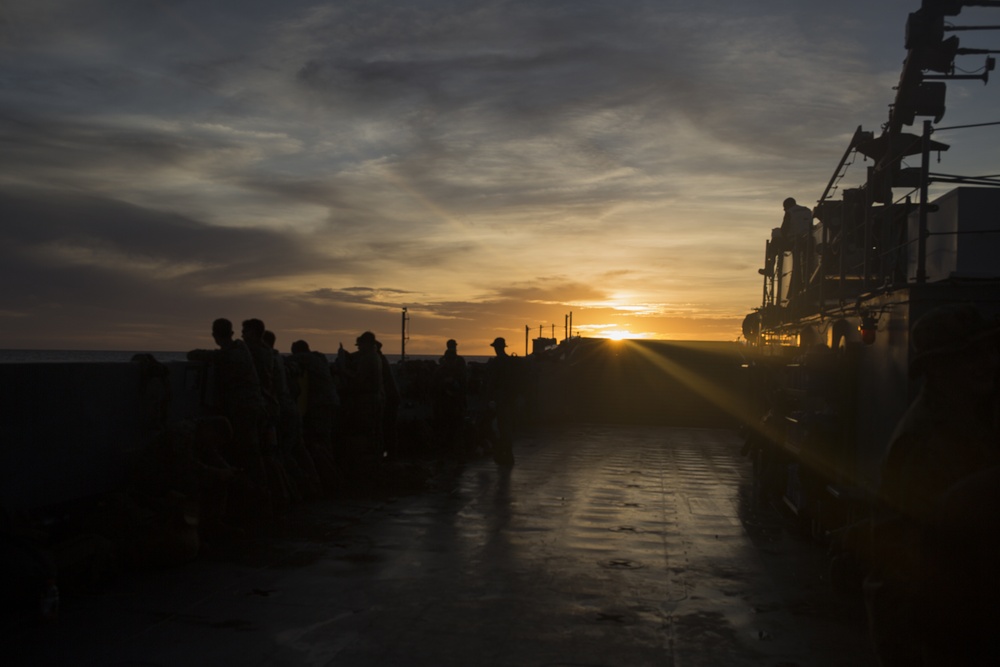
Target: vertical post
<point>767,256</point>
<point>867,236</point>
<point>925,158</point>
<point>571,324</point>
<point>821,264</point>
<point>402,347</point>
<point>565,327</point>
<point>846,218</point>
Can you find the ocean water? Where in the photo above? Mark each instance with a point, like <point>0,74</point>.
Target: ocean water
<point>103,356</point>
<point>80,356</point>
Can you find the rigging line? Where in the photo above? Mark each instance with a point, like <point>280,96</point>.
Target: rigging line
<point>967,231</point>
<point>912,192</point>
<point>971,71</point>
<point>848,165</point>
<point>963,127</point>
<point>937,174</point>
<point>899,158</point>
<point>835,181</point>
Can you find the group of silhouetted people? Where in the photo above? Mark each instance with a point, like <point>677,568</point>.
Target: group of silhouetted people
<point>284,411</point>
<point>300,427</point>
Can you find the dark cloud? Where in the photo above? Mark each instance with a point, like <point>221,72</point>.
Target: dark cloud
<point>61,243</point>
<point>35,217</point>
<point>81,152</point>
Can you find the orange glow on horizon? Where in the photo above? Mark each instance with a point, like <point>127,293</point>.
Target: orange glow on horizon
<point>619,335</point>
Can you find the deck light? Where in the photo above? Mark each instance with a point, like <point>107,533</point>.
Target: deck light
<point>868,329</point>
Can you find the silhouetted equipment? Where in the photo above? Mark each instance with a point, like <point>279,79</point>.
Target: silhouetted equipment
<point>828,359</point>
<point>926,41</point>
<point>904,144</point>
<point>926,99</point>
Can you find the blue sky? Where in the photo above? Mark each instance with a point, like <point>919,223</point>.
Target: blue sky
<point>487,165</point>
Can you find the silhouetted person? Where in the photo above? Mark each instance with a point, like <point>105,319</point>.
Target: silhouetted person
<point>318,403</point>
<point>450,397</point>
<point>502,391</point>
<point>319,395</point>
<point>237,397</point>
<point>288,423</point>
<point>390,410</point>
<point>364,374</point>
<point>263,361</point>
<point>947,437</point>
<point>291,447</point>
<point>796,234</point>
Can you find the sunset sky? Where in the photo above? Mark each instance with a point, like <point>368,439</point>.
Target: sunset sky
<point>486,165</point>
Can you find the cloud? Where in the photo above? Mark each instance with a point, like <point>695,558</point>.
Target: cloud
<point>486,165</point>
<point>368,296</point>
<point>60,247</point>
<point>551,290</point>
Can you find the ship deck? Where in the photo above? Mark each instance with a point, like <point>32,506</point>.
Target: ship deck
<point>603,545</point>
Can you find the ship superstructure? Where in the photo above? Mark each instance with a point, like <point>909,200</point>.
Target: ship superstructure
<point>830,342</point>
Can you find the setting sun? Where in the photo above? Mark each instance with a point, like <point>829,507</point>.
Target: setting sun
<point>618,335</point>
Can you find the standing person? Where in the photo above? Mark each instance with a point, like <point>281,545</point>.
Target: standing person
<point>501,391</point>
<point>237,397</point>
<point>390,410</point>
<point>263,361</point>
<point>318,403</point>
<point>319,397</point>
<point>288,424</point>
<point>796,231</point>
<point>450,397</point>
<point>364,404</point>
<point>252,334</point>
<point>947,437</point>
<point>291,448</point>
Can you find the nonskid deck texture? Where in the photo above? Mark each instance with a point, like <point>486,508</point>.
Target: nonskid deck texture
<point>601,546</point>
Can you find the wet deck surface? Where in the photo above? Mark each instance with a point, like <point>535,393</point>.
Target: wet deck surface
<point>602,546</point>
